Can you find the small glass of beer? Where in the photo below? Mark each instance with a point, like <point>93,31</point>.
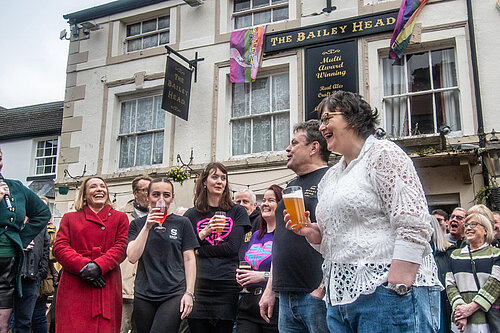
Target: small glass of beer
<point>294,204</point>
<point>245,265</point>
<point>161,205</point>
<point>220,223</point>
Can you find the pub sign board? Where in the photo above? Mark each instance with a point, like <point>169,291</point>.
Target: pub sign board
<point>330,31</point>
<point>329,68</point>
<point>176,89</point>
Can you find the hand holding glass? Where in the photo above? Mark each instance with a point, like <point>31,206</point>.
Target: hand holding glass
<point>220,223</point>
<point>294,204</point>
<point>161,205</point>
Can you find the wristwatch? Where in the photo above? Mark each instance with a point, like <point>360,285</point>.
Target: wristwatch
<point>399,288</point>
<point>266,275</point>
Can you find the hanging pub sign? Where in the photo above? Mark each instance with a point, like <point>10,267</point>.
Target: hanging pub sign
<point>329,68</point>
<point>176,89</point>
<point>330,31</point>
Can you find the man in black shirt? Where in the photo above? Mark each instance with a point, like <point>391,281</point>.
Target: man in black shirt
<point>248,200</point>
<point>296,269</point>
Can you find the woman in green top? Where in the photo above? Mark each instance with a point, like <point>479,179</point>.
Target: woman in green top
<point>17,203</point>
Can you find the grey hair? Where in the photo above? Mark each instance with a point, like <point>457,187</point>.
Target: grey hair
<point>438,239</point>
<point>485,223</point>
<point>247,190</point>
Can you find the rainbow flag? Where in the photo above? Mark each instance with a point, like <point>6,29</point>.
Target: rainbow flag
<point>246,54</point>
<point>408,12</point>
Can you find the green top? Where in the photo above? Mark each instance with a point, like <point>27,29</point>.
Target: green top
<point>7,247</point>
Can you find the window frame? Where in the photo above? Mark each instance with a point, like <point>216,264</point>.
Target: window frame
<point>36,158</point>
<point>142,35</point>
<point>253,11</point>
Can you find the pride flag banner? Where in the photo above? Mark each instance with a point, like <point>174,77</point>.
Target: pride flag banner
<point>408,12</point>
<point>246,54</point>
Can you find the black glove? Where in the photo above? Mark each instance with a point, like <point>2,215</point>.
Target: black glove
<point>90,272</point>
<point>99,282</point>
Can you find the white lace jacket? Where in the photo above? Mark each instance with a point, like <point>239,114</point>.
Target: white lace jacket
<point>370,212</point>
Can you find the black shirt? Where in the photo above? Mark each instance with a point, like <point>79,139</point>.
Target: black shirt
<point>255,222</point>
<point>296,265</point>
<point>160,272</point>
<point>218,260</point>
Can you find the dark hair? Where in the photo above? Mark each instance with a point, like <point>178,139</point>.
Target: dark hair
<point>137,180</point>
<point>263,224</point>
<point>160,180</point>
<point>201,192</point>
<point>440,212</point>
<point>311,128</point>
<point>356,111</point>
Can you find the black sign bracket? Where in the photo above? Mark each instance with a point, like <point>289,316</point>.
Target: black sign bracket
<point>193,64</point>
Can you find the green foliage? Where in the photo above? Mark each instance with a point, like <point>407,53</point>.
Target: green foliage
<point>178,174</point>
<point>483,195</point>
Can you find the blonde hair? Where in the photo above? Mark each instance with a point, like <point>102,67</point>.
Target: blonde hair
<point>485,223</point>
<point>80,201</point>
<point>438,239</point>
<point>483,210</point>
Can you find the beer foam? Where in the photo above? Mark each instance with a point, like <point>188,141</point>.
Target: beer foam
<point>296,194</point>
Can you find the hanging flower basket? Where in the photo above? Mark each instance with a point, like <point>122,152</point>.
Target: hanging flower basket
<point>178,174</point>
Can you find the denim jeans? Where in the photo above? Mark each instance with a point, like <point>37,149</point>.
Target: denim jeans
<point>39,320</point>
<point>385,311</point>
<point>301,312</point>
<point>23,306</point>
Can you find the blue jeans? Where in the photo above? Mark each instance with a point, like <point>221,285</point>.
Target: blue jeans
<point>39,320</point>
<point>23,306</point>
<point>300,312</point>
<point>385,311</point>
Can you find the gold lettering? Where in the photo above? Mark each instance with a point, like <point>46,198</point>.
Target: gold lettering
<point>343,27</point>
<point>310,35</point>
<point>273,40</point>
<point>289,38</point>
<point>281,40</point>
<point>334,30</point>
<point>301,36</point>
<point>391,20</point>
<point>357,26</point>
<point>325,32</point>
<point>379,23</point>
<point>368,24</point>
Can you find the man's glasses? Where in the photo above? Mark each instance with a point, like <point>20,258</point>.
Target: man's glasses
<point>141,190</point>
<point>473,225</point>
<point>325,118</point>
<point>457,217</point>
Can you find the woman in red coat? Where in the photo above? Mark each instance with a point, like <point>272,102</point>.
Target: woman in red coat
<point>90,245</point>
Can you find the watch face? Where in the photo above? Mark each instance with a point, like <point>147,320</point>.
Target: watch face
<point>401,289</point>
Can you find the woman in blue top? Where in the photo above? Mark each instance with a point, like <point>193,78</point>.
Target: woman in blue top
<point>259,256</point>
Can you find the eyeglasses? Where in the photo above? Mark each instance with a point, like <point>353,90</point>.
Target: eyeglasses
<point>141,190</point>
<point>325,118</point>
<point>473,225</point>
<point>457,217</point>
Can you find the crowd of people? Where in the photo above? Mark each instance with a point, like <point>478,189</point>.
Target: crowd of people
<point>370,257</point>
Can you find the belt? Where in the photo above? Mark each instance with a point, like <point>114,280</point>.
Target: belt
<point>256,291</point>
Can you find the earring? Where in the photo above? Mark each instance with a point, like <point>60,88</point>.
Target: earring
<point>204,186</point>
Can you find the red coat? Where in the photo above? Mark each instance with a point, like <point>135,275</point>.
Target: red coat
<point>83,237</point>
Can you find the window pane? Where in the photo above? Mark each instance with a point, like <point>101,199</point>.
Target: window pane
<point>40,144</point>
<point>261,134</point>
<point>396,117</point>
<point>39,152</point>
<point>280,14</point>
<point>134,44</point>
<point>241,137</point>
<point>240,5</point>
<point>127,117</point>
<point>133,29</point>
<point>260,96</point>
<point>443,68</point>
<point>281,131</point>
<point>164,38</point>
<point>159,121</point>
<point>281,92</point>
<point>418,72</point>
<point>422,121</point>
<point>150,41</point>
<point>148,26</point>
<point>259,3</point>
<point>240,99</point>
<point>144,114</point>
<point>394,80</point>
<point>262,17</point>
<point>144,144</point>
<point>243,21</point>
<point>163,22</point>
<point>158,148</point>
<point>273,2</point>
<point>127,150</point>
<point>448,110</point>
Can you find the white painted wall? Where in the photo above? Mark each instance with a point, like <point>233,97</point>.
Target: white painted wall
<point>17,156</point>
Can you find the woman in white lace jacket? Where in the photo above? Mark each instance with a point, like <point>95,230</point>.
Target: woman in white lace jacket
<point>373,228</point>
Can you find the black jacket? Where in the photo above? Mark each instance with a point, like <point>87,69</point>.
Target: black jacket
<point>36,261</point>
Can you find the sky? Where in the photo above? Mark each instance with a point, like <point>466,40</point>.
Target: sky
<point>33,58</point>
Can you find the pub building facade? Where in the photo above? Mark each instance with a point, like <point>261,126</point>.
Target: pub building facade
<point>114,126</point>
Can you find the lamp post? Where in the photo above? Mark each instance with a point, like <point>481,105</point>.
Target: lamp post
<point>491,158</point>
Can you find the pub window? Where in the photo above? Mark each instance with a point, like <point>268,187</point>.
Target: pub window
<point>46,157</point>
<point>147,34</point>
<point>142,126</point>
<point>249,13</point>
<point>260,115</point>
<point>421,93</point>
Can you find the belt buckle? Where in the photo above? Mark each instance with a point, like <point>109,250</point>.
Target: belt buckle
<point>258,291</point>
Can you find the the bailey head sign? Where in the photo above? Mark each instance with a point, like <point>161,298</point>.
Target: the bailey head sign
<point>330,32</point>
<point>176,89</point>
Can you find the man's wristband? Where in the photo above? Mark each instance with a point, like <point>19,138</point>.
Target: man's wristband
<point>190,294</point>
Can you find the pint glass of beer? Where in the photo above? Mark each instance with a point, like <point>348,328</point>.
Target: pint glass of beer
<point>294,204</point>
